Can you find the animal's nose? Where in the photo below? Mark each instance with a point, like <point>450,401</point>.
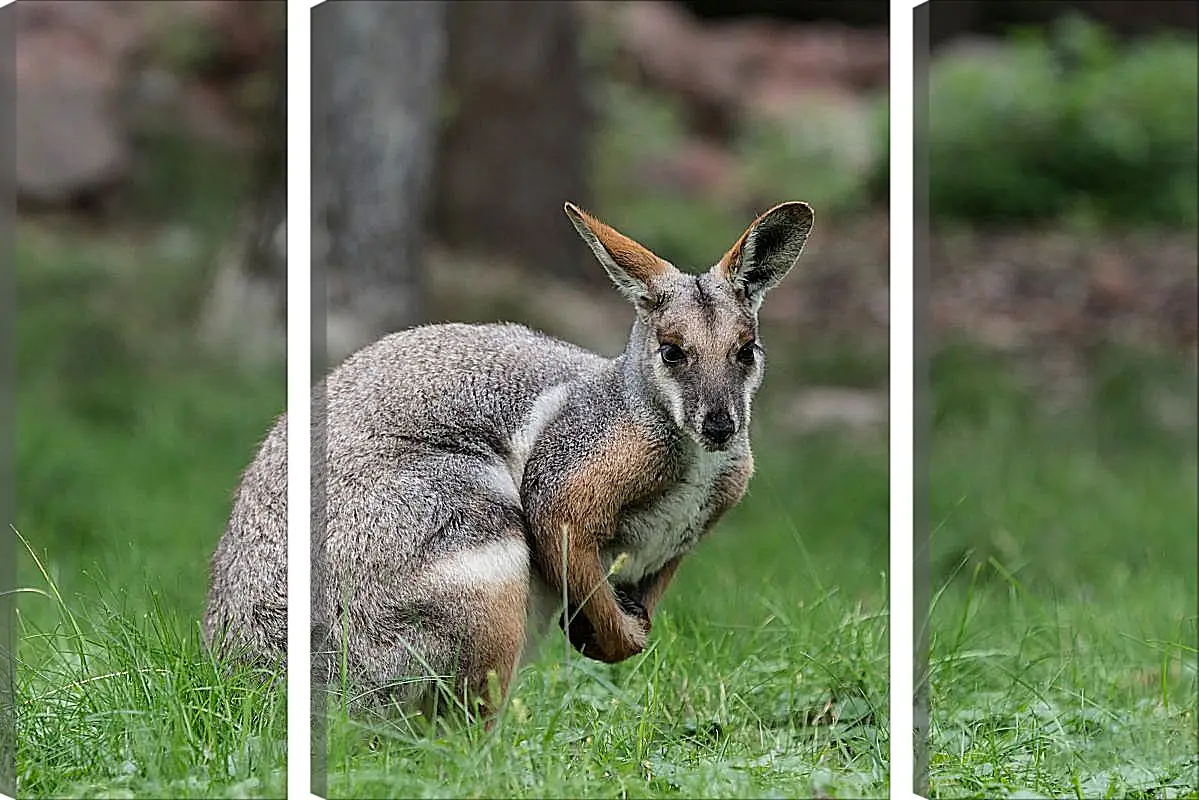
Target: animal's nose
<point>718,426</point>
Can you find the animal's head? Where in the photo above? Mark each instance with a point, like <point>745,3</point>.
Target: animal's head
<point>695,339</point>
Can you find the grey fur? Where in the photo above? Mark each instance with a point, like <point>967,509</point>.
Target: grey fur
<point>426,462</point>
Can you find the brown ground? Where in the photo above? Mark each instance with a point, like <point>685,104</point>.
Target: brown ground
<point>1061,290</point>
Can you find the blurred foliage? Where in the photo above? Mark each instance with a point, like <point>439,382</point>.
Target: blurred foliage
<point>1122,403</point>
<point>186,47</point>
<point>1067,125</point>
<point>130,435</point>
<point>830,152</point>
<point>774,159</point>
<point>644,126</point>
<point>177,180</point>
<point>129,438</point>
<point>832,361</point>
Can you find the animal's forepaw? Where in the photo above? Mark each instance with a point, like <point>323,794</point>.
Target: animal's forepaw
<point>579,631</point>
<point>583,636</point>
<point>633,607</point>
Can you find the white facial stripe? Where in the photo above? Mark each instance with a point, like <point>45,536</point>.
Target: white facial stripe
<point>492,564</point>
<point>675,399</point>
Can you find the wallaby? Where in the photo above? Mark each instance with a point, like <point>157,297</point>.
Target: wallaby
<point>483,481</point>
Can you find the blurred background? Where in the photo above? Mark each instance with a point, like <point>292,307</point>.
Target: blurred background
<point>1064,195</point>
<point>1064,188</point>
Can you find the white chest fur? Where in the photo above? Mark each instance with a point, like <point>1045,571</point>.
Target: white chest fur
<point>653,535</point>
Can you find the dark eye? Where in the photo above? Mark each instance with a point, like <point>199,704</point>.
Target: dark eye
<point>672,354</point>
<point>748,353</point>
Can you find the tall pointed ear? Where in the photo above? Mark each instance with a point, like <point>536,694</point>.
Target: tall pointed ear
<point>632,267</point>
<point>767,251</point>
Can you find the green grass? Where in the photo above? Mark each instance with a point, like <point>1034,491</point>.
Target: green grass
<point>129,443</point>
<point>766,675</point>
<point>1063,649</point>
<point>122,702</point>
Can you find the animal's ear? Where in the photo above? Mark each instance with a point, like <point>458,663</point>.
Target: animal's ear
<point>632,267</point>
<point>767,251</point>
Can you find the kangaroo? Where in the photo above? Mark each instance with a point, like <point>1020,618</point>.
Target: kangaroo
<point>483,482</point>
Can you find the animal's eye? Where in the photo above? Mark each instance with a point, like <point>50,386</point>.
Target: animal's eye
<point>672,354</point>
<point>748,353</point>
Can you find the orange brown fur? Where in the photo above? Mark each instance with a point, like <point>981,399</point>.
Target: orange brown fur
<point>732,258</point>
<point>497,639</point>
<point>626,468</point>
<point>634,258</point>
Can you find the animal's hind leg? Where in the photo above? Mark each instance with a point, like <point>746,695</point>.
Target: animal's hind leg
<point>490,584</point>
<point>456,649</point>
<point>435,598</point>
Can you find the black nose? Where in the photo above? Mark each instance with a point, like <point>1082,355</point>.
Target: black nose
<point>718,426</point>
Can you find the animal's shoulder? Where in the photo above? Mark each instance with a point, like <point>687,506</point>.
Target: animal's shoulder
<point>598,458</point>
<point>488,349</point>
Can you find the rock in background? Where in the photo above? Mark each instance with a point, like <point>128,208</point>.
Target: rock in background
<point>91,75</point>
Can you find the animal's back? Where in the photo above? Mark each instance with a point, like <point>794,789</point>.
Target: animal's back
<point>428,419</point>
<point>450,385</point>
<point>426,438</point>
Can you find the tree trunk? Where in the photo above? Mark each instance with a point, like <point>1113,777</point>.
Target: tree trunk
<point>515,146</point>
<point>376,80</point>
<point>247,311</point>
<point>267,248</point>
